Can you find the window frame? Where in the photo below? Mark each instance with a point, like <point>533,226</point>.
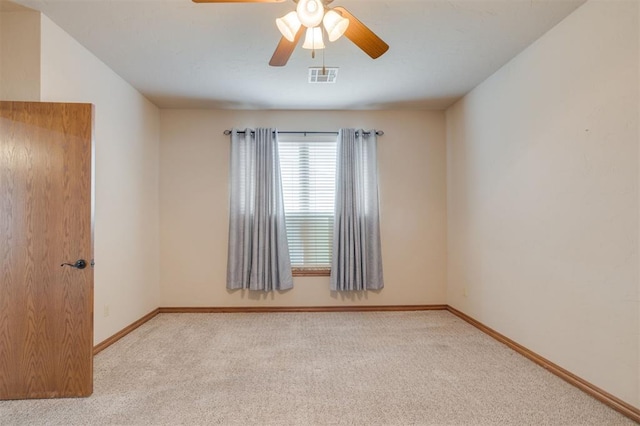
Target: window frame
<point>309,271</point>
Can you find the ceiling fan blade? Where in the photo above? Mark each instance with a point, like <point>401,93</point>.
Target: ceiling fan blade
<point>238,1</point>
<point>362,36</point>
<point>284,50</point>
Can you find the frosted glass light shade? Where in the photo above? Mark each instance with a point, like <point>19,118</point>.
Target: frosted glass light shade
<point>310,12</point>
<point>313,39</point>
<point>335,24</point>
<point>289,25</point>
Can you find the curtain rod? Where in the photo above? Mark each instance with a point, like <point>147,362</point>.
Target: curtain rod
<point>303,132</point>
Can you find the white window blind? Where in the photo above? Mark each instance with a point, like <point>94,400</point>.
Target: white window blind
<point>308,169</point>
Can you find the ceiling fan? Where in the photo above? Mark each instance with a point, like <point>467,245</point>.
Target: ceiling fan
<point>310,14</point>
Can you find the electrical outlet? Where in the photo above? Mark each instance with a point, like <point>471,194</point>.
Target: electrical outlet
<point>465,293</point>
<point>106,310</point>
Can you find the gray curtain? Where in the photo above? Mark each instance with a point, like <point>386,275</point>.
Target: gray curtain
<point>258,256</point>
<point>356,263</point>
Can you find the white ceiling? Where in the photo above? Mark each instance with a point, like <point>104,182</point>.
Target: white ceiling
<point>182,54</point>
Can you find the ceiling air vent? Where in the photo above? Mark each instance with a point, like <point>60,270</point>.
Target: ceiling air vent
<point>322,75</point>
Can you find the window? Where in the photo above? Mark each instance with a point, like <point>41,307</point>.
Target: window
<point>308,168</point>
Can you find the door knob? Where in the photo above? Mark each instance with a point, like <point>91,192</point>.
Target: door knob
<point>80,264</point>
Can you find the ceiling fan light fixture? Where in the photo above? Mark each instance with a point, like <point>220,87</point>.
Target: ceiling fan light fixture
<point>313,39</point>
<point>335,24</point>
<point>310,12</point>
<point>289,25</point>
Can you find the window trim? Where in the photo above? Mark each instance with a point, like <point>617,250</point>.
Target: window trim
<point>310,271</point>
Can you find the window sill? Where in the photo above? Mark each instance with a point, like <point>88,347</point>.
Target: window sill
<point>311,272</point>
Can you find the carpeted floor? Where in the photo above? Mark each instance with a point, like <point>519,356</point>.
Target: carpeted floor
<point>378,368</point>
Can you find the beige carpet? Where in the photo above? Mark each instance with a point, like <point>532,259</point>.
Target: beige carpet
<point>380,368</point>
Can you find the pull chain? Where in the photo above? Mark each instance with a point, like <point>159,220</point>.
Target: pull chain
<point>324,70</point>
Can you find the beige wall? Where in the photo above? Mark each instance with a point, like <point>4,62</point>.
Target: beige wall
<point>542,164</point>
<point>19,53</point>
<point>126,167</point>
<point>194,206</point>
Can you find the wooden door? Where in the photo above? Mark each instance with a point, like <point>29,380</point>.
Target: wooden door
<point>46,213</point>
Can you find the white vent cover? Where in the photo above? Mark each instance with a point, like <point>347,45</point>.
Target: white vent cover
<point>316,75</point>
